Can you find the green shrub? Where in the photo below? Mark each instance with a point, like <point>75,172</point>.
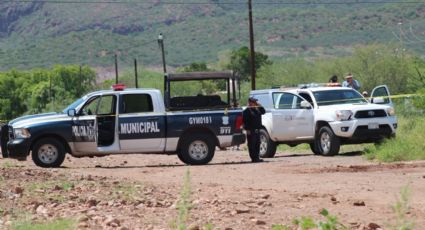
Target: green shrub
<point>419,101</point>
<point>330,223</point>
<point>408,145</point>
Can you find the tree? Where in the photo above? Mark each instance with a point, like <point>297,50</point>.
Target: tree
<point>42,90</point>
<point>240,62</point>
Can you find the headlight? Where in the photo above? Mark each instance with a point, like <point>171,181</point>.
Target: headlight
<point>391,111</point>
<point>21,133</point>
<point>343,115</point>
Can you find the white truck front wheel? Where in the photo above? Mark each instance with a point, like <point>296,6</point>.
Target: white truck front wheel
<point>328,142</point>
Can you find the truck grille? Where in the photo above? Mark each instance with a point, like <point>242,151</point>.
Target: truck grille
<point>363,132</point>
<point>370,113</point>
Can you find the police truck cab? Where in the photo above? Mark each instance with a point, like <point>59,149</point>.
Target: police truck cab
<point>121,120</point>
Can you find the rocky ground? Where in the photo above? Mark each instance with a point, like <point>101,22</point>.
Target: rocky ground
<point>143,191</point>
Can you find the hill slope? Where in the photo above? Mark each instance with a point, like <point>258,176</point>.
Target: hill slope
<point>43,33</point>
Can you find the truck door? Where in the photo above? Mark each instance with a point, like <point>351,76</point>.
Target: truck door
<point>83,127</point>
<point>141,127</point>
<point>107,137</point>
<point>94,126</point>
<point>381,95</point>
<point>290,121</point>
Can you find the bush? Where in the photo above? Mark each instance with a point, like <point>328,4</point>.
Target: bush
<point>408,145</point>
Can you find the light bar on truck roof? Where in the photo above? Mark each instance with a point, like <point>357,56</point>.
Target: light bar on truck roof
<point>312,85</point>
<point>118,87</point>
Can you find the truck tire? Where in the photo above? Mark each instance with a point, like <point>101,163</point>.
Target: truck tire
<point>48,153</point>
<point>328,142</point>
<point>267,146</point>
<point>315,148</point>
<point>197,149</point>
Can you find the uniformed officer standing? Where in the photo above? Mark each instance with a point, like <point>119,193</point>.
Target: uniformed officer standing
<point>252,124</point>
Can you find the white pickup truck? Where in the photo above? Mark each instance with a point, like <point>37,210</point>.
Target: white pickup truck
<point>324,117</point>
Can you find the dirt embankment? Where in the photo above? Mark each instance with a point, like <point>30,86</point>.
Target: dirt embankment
<point>142,191</point>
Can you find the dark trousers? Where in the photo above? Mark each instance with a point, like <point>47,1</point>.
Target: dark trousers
<point>254,144</point>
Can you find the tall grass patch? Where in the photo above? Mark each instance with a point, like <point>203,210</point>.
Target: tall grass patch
<point>408,145</point>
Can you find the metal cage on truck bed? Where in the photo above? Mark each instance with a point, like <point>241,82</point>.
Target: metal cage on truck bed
<point>200,101</point>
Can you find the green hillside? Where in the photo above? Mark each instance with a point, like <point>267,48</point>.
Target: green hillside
<point>40,34</point>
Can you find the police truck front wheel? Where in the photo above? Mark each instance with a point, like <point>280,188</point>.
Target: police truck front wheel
<point>197,149</point>
<point>48,153</point>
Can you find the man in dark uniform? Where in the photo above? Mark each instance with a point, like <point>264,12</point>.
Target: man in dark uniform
<point>252,124</point>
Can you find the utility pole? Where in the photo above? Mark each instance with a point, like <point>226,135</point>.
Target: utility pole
<point>116,69</point>
<point>135,73</point>
<point>164,66</point>
<point>81,79</point>
<point>251,43</point>
<point>161,45</point>
<point>50,89</point>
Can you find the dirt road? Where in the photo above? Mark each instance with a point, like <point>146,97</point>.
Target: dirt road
<point>231,193</point>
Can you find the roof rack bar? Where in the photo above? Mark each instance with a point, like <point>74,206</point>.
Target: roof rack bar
<point>201,76</point>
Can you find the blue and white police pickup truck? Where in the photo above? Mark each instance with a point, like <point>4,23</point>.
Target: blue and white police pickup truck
<point>120,121</point>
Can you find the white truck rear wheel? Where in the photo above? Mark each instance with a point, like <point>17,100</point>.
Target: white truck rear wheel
<point>267,146</point>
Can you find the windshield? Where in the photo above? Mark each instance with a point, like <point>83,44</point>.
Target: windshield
<point>73,105</point>
<point>335,97</point>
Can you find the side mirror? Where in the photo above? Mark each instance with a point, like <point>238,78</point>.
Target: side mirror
<point>305,105</point>
<point>72,112</point>
<point>378,100</point>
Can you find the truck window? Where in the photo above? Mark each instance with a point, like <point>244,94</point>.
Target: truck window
<point>382,92</point>
<point>276,97</point>
<point>286,101</point>
<point>136,103</point>
<point>264,100</point>
<point>90,107</point>
<point>298,102</point>
<point>306,97</point>
<point>106,105</point>
<point>336,97</point>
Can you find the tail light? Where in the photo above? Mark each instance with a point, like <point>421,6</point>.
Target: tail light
<point>238,123</point>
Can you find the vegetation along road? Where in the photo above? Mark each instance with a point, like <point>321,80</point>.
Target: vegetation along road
<point>159,192</point>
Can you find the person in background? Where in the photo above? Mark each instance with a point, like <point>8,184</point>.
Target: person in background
<point>252,124</point>
<point>350,82</point>
<point>333,79</point>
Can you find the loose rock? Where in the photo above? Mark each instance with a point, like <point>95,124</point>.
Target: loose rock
<point>359,203</point>
<point>373,226</point>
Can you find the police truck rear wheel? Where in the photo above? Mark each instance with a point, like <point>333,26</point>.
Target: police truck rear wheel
<point>48,153</point>
<point>328,142</point>
<point>197,150</point>
<point>267,146</point>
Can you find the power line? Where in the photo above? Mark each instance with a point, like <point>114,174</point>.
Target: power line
<point>214,3</point>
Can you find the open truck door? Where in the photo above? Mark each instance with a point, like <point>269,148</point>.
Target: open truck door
<point>381,95</point>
